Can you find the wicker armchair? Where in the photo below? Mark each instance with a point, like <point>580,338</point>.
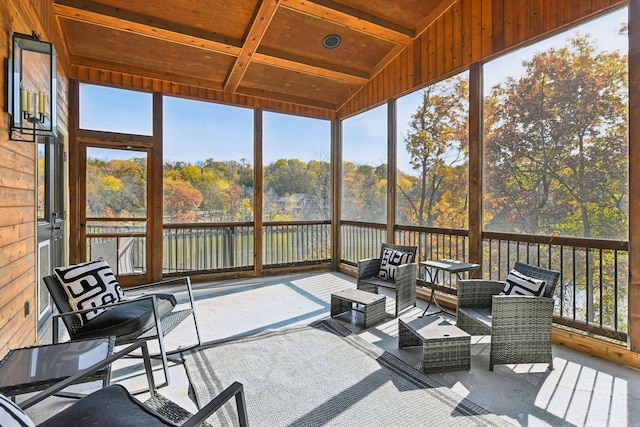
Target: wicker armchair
<point>405,278</point>
<point>520,326</point>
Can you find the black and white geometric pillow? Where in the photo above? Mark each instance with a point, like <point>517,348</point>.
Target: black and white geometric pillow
<point>90,284</point>
<point>391,259</point>
<point>519,284</point>
<point>11,415</point>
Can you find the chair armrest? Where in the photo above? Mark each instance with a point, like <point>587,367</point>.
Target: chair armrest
<point>477,293</point>
<point>81,375</point>
<point>167,282</point>
<point>406,275</point>
<point>368,268</point>
<point>216,403</point>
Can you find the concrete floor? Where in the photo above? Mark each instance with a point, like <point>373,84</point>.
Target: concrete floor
<point>582,390</point>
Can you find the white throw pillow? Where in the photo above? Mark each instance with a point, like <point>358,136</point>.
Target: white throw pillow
<point>391,260</point>
<point>90,284</point>
<point>519,284</point>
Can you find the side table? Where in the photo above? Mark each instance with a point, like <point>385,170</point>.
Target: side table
<point>445,347</point>
<point>30,369</point>
<point>433,267</point>
<point>373,305</point>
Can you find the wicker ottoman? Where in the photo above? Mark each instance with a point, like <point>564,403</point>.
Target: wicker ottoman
<point>444,346</point>
<point>373,305</point>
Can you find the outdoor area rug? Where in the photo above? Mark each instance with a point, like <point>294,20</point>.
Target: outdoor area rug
<point>322,374</point>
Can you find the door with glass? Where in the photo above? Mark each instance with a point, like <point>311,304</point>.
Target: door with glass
<point>50,220</point>
<point>114,222</point>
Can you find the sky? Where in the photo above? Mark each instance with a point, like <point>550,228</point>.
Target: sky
<point>195,130</point>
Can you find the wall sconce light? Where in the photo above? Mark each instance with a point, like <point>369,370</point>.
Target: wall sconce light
<point>32,80</point>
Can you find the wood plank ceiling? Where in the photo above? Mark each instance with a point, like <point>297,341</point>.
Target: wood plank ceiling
<point>269,49</point>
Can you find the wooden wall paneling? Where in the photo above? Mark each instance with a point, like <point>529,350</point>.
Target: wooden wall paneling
<point>395,81</point>
<point>422,45</point>
<point>370,88</point>
<point>409,66</point>
<point>387,76</point>
<point>535,23</point>
<point>17,190</point>
<point>509,32</point>
<point>476,29</point>
<point>431,48</point>
<point>456,42</point>
<point>448,30</point>
<point>522,10</point>
<point>11,233</point>
<point>18,330</point>
<point>439,53</point>
<point>63,102</point>
<point>492,25</point>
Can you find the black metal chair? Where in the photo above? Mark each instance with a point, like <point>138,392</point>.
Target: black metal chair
<point>520,326</point>
<point>404,282</point>
<point>114,406</point>
<point>150,316</point>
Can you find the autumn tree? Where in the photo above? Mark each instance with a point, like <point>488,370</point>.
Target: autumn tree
<point>437,142</point>
<point>117,186</point>
<point>556,153</point>
<point>555,144</point>
<point>181,200</point>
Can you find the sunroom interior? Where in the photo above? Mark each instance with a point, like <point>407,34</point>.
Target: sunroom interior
<point>236,139</point>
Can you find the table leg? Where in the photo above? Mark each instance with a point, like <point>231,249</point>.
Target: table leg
<point>433,279</point>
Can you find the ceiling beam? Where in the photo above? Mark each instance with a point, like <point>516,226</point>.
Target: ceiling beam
<point>282,97</point>
<point>144,72</point>
<point>307,66</point>
<point>351,18</point>
<point>257,29</point>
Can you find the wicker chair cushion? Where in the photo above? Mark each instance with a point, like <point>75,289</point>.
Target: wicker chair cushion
<point>127,318</point>
<point>376,281</point>
<point>11,415</point>
<point>111,406</point>
<point>520,284</point>
<point>90,284</point>
<point>390,260</point>
<point>482,316</point>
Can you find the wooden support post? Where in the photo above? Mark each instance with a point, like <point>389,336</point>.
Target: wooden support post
<point>475,166</point>
<point>257,191</point>
<point>633,326</point>
<point>155,194</point>
<point>336,192</point>
<point>391,170</point>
